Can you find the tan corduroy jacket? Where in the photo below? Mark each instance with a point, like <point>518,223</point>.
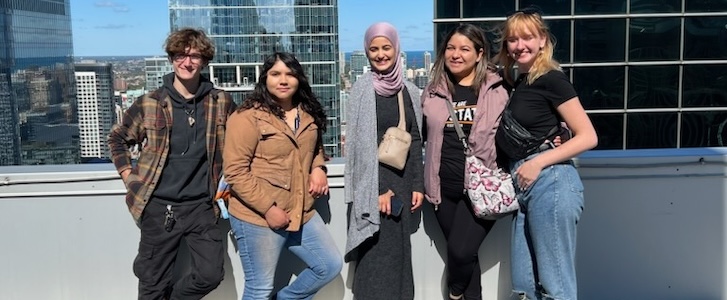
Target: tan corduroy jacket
<point>267,164</point>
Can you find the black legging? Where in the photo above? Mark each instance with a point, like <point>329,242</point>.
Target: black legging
<point>464,233</point>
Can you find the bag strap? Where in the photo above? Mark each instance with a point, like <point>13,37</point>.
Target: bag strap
<point>507,107</point>
<point>458,127</point>
<point>402,120</point>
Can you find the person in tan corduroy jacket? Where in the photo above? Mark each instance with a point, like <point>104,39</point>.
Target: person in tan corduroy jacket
<point>273,160</point>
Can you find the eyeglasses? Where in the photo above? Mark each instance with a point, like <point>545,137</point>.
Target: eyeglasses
<point>530,10</point>
<point>194,57</point>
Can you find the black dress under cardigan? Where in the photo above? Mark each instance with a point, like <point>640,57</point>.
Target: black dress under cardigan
<point>383,264</point>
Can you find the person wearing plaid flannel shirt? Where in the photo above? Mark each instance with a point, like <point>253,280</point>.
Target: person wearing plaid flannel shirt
<point>180,131</point>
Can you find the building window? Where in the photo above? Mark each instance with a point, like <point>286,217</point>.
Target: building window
<point>641,130</point>
<point>600,87</point>
<point>647,79</point>
<point>600,40</point>
<point>447,9</point>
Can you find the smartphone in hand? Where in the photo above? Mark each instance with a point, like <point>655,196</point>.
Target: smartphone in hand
<point>397,206</point>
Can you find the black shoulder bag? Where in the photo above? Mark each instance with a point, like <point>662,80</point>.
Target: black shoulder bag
<point>514,139</point>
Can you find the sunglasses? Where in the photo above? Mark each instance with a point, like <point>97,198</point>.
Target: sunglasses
<point>530,10</point>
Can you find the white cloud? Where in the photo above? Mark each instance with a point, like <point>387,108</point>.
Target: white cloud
<point>106,4</point>
<point>115,6</point>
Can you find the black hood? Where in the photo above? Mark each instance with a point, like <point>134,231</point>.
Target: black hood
<point>205,86</point>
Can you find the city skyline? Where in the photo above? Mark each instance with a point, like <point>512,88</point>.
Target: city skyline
<point>245,34</point>
<point>647,84</point>
<point>139,27</point>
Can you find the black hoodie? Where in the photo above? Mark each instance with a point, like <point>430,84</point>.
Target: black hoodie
<point>185,176</point>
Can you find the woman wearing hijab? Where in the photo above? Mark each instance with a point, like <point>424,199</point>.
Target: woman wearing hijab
<point>378,235</point>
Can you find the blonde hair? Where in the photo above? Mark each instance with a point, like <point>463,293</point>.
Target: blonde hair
<point>516,25</point>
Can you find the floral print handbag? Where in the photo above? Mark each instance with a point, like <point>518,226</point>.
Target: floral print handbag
<point>491,192</point>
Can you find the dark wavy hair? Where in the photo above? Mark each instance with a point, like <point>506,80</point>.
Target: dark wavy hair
<point>304,97</point>
<point>476,35</point>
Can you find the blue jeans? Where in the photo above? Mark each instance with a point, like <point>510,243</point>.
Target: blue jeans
<point>260,248</point>
<point>544,234</point>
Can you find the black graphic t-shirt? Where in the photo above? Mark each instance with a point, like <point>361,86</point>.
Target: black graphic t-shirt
<point>451,170</point>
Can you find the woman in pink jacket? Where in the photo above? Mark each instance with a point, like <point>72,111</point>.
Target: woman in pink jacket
<point>463,77</point>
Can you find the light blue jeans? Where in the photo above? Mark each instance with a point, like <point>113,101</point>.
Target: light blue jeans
<point>544,234</point>
<point>260,248</point>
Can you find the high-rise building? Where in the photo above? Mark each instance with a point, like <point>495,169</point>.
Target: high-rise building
<point>409,74</point>
<point>359,62</point>
<point>421,78</point>
<point>651,74</point>
<point>427,61</point>
<point>120,84</point>
<point>403,60</point>
<point>344,104</point>
<point>341,62</point>
<point>96,108</point>
<point>154,69</point>
<point>248,31</point>
<point>124,99</point>
<point>119,99</point>
<point>37,87</point>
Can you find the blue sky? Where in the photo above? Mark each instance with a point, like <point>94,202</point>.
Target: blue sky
<point>138,27</point>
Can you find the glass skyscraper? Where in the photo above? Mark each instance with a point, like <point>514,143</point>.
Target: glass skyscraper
<point>38,122</point>
<point>247,31</point>
<point>154,70</point>
<point>359,65</point>
<point>651,74</point>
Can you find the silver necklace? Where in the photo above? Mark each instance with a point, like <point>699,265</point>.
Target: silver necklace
<point>190,116</point>
<point>190,113</point>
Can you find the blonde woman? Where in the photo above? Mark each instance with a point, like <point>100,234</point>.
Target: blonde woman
<point>550,190</point>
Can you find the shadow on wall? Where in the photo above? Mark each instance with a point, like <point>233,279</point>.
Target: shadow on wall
<point>290,266</point>
<point>227,288</point>
<point>492,245</point>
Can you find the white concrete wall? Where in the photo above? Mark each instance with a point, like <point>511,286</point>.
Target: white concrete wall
<point>653,228</point>
<point>653,225</point>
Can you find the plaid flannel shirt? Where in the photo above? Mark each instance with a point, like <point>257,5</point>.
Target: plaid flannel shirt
<point>147,123</point>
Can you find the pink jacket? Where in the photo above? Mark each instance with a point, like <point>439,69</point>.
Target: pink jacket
<point>490,103</point>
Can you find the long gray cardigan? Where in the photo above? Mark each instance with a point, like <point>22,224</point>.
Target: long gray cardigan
<point>361,175</point>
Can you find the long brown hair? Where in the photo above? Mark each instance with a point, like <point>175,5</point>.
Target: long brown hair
<point>440,72</point>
